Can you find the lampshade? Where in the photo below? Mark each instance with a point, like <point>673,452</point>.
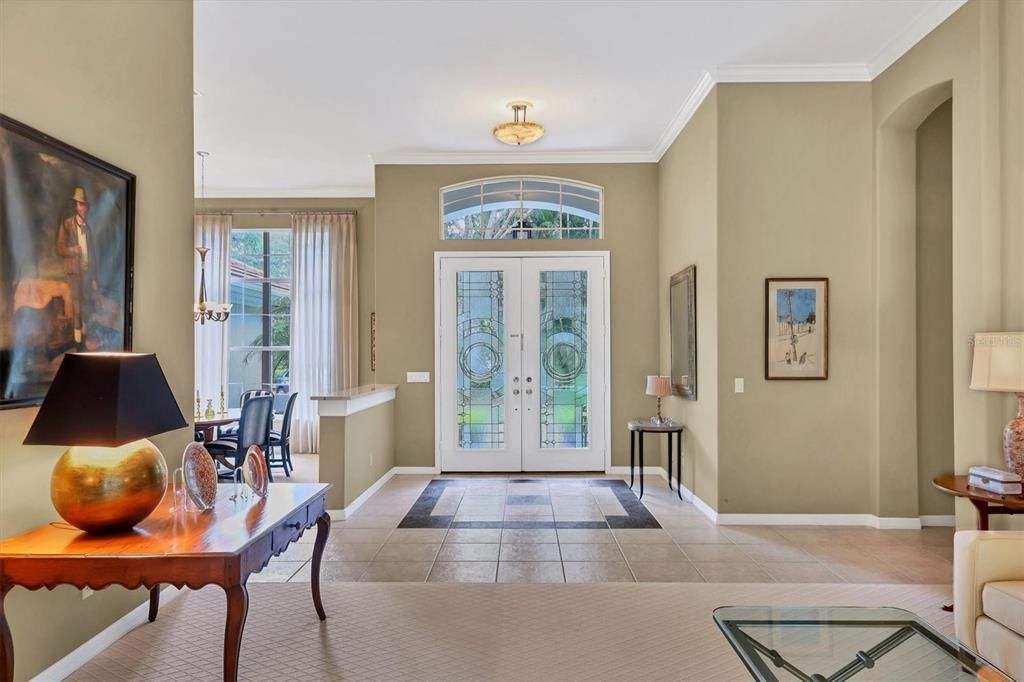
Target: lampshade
<point>106,399</point>
<point>659,386</point>
<point>998,362</point>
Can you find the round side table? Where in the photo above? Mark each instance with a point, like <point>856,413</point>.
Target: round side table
<point>637,429</point>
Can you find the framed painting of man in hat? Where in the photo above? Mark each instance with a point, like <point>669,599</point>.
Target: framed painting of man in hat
<point>66,228</point>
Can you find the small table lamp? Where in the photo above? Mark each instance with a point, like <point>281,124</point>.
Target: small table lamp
<point>999,366</point>
<point>104,406</point>
<point>661,387</point>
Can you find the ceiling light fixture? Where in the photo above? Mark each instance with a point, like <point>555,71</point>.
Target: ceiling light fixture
<point>519,131</point>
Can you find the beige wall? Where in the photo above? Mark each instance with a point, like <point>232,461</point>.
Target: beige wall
<point>688,235</point>
<point>356,451</point>
<point>363,206</point>
<point>965,52</point>
<point>114,79</point>
<point>934,308</point>
<point>408,234</point>
<point>795,201</point>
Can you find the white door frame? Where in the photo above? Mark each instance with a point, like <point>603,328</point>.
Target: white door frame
<point>604,255</point>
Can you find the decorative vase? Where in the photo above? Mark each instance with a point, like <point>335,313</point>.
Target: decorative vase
<point>1013,440</point>
<point>210,412</point>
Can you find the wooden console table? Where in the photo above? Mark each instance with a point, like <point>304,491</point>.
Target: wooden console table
<point>221,547</point>
<point>985,502</point>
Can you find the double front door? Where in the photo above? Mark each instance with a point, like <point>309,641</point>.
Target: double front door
<point>521,377</point>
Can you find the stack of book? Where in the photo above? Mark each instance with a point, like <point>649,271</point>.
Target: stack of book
<point>994,480</point>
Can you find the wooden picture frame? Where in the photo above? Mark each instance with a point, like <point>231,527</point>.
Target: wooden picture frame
<point>67,230</point>
<point>796,328</point>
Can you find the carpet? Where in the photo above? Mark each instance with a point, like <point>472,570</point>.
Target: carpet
<point>390,631</point>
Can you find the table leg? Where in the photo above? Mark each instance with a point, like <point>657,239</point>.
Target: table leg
<point>982,508</point>
<point>6,645</point>
<point>632,456</point>
<point>669,434</point>
<point>154,602</point>
<point>238,609</point>
<point>679,463</point>
<point>640,435</point>
<point>323,528</point>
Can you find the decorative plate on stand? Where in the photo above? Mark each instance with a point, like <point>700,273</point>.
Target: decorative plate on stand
<point>255,472</point>
<point>200,476</point>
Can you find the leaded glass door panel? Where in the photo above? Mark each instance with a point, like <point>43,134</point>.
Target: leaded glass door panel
<point>481,421</point>
<point>563,364</point>
<point>521,371</point>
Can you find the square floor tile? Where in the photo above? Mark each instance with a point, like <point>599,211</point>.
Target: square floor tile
<point>529,552</point>
<point>585,535</point>
<point>519,535</point>
<point>414,535</point>
<point>396,571</point>
<point>357,551</point>
<point>297,551</point>
<point>590,552</point>
<point>463,572</point>
<point>714,552</point>
<point>360,535</point>
<point>872,572</point>
<point>644,536</point>
<point>659,552</point>
<point>530,572</point>
<point>665,572</point>
<point>766,553</point>
<point>753,534</point>
<point>597,571</point>
<point>332,571</point>
<point>732,572</point>
<point>464,551</point>
<point>277,572</point>
<point>800,572</point>
<point>690,535</point>
<point>412,551</point>
<point>473,535</point>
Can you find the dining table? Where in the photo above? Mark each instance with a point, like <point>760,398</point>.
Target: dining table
<point>208,426</point>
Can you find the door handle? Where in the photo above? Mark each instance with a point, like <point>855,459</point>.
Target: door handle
<point>520,337</point>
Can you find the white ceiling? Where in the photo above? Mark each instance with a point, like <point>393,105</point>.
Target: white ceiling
<point>301,97</point>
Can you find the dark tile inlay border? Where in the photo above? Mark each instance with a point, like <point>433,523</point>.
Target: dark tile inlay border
<point>419,516</point>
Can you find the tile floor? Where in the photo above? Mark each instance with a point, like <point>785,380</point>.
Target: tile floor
<point>370,547</point>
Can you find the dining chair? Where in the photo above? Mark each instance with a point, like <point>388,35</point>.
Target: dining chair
<point>282,439</point>
<point>230,430</point>
<point>253,429</point>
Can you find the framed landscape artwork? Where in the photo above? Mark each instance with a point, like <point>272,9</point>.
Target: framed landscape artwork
<point>796,328</point>
<point>66,228</point>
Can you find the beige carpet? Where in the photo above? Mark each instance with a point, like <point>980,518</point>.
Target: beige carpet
<point>392,631</point>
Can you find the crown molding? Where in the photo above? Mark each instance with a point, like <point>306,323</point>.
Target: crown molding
<point>340,192</point>
<point>791,73</point>
<point>690,105</point>
<point>513,156</point>
<point>926,22</point>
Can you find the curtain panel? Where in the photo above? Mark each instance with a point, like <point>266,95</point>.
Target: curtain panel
<point>211,339</point>
<point>324,355</point>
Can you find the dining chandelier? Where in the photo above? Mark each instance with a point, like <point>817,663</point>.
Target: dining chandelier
<point>206,310</point>
<point>519,131</point>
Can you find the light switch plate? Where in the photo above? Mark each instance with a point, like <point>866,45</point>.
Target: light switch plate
<point>738,385</point>
<point>417,377</point>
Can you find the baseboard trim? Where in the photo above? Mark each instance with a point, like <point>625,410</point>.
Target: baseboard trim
<point>417,471</point>
<point>341,514</point>
<point>66,666</point>
<point>868,520</point>
<point>944,520</point>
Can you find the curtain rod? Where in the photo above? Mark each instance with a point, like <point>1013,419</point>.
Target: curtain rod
<point>273,211</point>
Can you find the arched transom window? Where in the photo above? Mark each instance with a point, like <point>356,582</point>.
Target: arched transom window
<point>521,207</point>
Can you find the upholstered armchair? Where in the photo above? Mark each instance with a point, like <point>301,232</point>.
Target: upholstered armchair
<point>988,596</point>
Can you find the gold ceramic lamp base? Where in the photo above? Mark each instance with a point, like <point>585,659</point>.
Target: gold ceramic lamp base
<point>108,489</point>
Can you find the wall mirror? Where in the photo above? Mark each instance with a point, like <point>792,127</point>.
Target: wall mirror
<point>683,329</point>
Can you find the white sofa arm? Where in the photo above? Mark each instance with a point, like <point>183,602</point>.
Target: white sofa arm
<point>981,557</point>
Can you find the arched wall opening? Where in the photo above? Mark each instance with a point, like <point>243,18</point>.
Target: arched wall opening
<point>898,472</point>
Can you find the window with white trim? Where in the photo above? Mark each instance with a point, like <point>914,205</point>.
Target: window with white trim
<point>521,207</point>
<point>260,323</point>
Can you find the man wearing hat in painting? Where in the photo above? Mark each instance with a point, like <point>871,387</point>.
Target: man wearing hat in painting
<point>74,246</point>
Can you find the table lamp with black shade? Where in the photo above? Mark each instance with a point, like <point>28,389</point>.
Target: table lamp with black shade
<point>105,406</point>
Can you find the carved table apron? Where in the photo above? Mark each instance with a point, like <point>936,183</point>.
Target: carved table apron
<point>221,547</point>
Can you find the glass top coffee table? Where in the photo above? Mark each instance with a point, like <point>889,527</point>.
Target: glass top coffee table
<point>815,644</point>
